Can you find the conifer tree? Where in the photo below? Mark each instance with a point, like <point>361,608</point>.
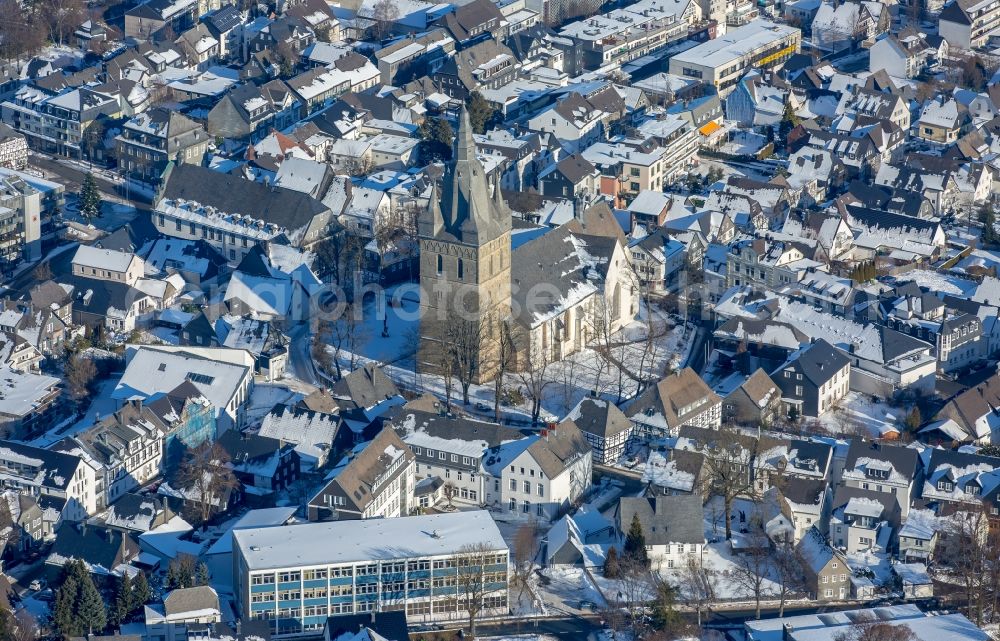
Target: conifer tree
<point>90,198</point>
<point>124,602</point>
<point>612,570</point>
<point>141,593</point>
<point>201,574</point>
<point>635,542</point>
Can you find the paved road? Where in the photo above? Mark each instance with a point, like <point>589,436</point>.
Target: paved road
<point>576,627</point>
<point>72,177</point>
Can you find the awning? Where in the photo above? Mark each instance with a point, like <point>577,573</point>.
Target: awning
<point>709,129</point>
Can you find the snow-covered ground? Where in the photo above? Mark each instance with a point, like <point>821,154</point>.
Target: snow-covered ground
<point>718,558</point>
<point>571,379</point>
<point>878,418</point>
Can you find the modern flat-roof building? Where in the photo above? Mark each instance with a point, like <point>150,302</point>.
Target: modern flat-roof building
<point>298,575</point>
<point>724,60</point>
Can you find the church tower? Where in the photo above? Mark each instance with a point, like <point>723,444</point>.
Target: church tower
<point>464,262</point>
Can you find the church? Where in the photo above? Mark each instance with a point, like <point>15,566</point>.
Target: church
<point>552,295</point>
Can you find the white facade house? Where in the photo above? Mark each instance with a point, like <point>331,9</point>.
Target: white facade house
<point>41,472</point>
<point>539,477</point>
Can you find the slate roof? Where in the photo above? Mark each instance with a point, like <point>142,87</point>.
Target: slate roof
<point>819,361</point>
<point>366,387</point>
<point>665,519</point>
<point>903,459</point>
<point>286,208</point>
<point>190,599</point>
<point>599,417</point>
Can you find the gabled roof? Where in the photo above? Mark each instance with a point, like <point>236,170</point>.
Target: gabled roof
<point>665,519</point>
<point>286,208</point>
<point>598,417</point>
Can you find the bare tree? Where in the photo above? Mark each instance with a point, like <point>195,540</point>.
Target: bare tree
<point>346,333</point>
<point>535,378</point>
<point>60,17</point>
<point>635,589</point>
<point>80,375</point>
<point>966,553</point>
<point>464,338</point>
<point>789,573</point>
<point>753,565</point>
<point>698,584</point>
<point>320,355</point>
<point>450,491</point>
<point>567,379</point>
<point>384,13</point>
<point>524,556</point>
<point>505,354</point>
<point>731,469</point>
<point>474,577</point>
<point>206,476</point>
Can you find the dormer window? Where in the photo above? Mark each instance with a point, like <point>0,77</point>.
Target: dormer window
<point>945,486</point>
<point>973,489</point>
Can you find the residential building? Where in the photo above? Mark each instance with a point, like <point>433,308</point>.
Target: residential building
<point>679,399</point>
<point>880,467</point>
<point>107,264</point>
<point>813,380</point>
<point>541,476</point>
<point>182,611</point>
<point>31,405</point>
<point>13,148</point>
<point>862,520</point>
<point>56,123</point>
<point>454,450</point>
<point>827,575</point>
<point>291,577</point>
<point>673,527</point>
<point>968,24</point>
<point>375,481</point>
<point>156,137</point>
<point>153,370</point>
<point>64,479</point>
<point>605,427</point>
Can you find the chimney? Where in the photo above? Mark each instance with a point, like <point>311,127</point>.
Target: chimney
<point>786,632</point>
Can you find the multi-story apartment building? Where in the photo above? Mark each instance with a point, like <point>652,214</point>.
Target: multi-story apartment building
<point>723,61</point>
<point>375,482</point>
<point>126,447</point>
<point>40,472</point>
<point>879,467</point>
<point>626,34</point>
<point>156,137</point>
<point>968,24</point>
<point>628,166</point>
<point>541,480</point>
<point>296,576</point>
<point>764,263</point>
<point>20,222</point>
<point>56,124</point>
<point>452,449</point>
<point>232,214</point>
<point>13,148</point>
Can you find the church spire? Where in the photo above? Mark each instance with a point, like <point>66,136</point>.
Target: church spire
<point>466,143</point>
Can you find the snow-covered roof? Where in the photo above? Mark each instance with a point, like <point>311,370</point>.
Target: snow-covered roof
<point>308,544</point>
